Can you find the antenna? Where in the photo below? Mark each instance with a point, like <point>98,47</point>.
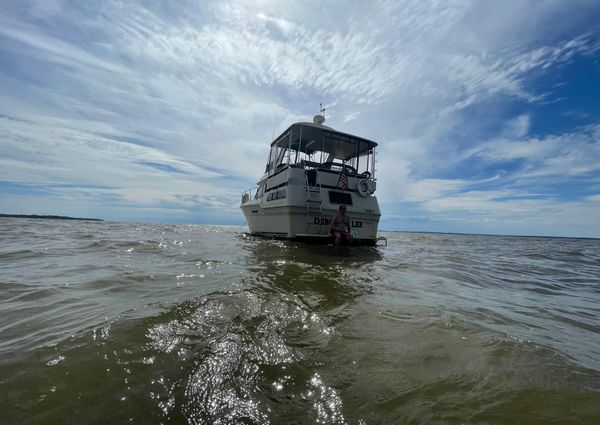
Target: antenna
<point>320,119</point>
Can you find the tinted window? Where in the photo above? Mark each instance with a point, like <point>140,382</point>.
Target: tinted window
<point>340,198</point>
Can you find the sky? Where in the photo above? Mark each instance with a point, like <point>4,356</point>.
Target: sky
<point>487,113</point>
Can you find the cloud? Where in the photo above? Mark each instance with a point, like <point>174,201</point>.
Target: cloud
<point>282,24</point>
<point>547,191</point>
<point>173,106</point>
<point>568,154</point>
<point>53,49</point>
<point>69,163</point>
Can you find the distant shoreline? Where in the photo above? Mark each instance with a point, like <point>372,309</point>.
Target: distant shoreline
<point>48,217</point>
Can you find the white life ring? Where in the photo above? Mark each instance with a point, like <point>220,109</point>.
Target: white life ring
<point>363,187</point>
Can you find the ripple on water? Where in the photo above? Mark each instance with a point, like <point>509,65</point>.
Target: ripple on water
<point>195,324</point>
<point>243,345</point>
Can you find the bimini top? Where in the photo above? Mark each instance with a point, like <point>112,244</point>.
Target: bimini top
<point>310,137</point>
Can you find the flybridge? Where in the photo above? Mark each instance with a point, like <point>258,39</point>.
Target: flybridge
<point>319,145</point>
<point>309,137</point>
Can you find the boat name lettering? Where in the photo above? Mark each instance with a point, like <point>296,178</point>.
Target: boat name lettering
<point>325,221</point>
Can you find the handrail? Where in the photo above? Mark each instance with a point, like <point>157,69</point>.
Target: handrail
<point>381,239</point>
<point>247,194</point>
<point>325,166</point>
<point>310,201</point>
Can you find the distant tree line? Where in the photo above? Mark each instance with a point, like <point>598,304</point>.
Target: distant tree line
<point>48,217</point>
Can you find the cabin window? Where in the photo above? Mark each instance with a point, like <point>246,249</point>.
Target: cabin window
<point>260,191</point>
<point>278,159</point>
<point>340,198</point>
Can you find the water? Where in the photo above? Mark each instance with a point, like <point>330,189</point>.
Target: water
<point>130,323</point>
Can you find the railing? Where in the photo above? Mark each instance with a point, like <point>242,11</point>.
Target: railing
<point>247,194</point>
<point>381,239</point>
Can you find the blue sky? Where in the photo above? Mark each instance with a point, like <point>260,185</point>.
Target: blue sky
<point>487,112</point>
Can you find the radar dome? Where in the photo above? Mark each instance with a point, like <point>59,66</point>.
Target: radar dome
<point>318,119</point>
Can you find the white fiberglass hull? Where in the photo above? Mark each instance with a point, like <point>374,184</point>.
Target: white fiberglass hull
<point>292,223</point>
<point>295,217</point>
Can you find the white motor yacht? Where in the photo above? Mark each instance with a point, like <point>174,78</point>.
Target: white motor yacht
<point>312,169</point>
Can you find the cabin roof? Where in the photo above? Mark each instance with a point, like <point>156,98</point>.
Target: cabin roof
<point>309,138</point>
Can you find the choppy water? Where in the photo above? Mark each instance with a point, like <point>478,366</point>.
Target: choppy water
<point>132,323</point>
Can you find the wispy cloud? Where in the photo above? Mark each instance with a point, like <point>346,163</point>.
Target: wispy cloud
<point>547,190</point>
<point>69,163</point>
<point>569,154</point>
<point>171,107</point>
<point>52,49</point>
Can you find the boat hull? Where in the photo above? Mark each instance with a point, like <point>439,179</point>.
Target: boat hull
<point>296,222</point>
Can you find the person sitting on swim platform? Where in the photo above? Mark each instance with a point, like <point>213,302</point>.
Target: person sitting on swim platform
<point>340,226</point>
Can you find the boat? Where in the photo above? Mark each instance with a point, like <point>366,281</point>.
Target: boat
<point>311,170</point>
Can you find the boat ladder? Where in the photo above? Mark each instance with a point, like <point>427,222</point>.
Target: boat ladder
<point>313,198</point>
<point>381,239</point>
